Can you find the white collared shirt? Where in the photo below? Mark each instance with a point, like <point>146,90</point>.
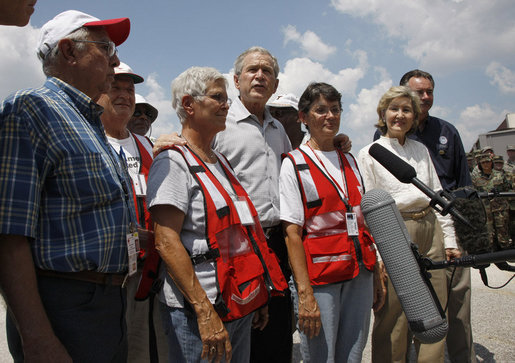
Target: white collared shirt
<point>408,198</point>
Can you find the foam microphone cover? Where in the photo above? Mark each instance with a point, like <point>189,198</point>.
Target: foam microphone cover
<point>395,165</point>
<point>394,244</point>
<point>473,240</point>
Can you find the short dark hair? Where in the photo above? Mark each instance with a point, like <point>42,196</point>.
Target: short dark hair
<point>313,93</point>
<point>416,73</point>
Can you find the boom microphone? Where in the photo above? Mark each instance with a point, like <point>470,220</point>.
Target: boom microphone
<point>424,313</point>
<point>407,174</point>
<point>476,240</point>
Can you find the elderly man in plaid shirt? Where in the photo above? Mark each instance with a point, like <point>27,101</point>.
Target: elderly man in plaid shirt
<point>66,210</point>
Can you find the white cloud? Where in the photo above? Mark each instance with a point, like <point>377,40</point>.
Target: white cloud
<point>359,121</point>
<point>475,120</point>
<point>310,43</point>
<point>299,72</point>
<point>502,77</point>
<point>19,64</point>
<point>442,34</point>
<point>167,120</point>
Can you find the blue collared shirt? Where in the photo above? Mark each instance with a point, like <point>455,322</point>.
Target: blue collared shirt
<point>61,184</point>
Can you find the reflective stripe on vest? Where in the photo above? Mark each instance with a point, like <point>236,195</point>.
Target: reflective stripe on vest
<point>246,271</point>
<point>218,199</point>
<point>310,190</point>
<point>331,255</point>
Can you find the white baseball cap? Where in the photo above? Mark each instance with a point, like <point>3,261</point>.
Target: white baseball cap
<point>124,68</point>
<point>69,21</point>
<point>287,100</point>
<point>140,100</point>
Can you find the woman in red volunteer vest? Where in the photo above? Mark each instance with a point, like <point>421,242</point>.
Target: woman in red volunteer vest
<point>217,267</point>
<point>331,253</point>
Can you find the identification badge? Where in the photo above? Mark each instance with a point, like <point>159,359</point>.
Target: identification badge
<point>244,212</point>
<point>352,224</point>
<point>133,250</point>
<point>140,185</point>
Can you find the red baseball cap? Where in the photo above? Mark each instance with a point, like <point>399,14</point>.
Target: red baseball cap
<point>69,21</point>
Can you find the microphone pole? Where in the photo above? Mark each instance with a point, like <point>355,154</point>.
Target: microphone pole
<point>442,199</point>
<point>476,261</point>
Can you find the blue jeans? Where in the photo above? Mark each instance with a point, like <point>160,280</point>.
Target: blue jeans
<point>345,309</point>
<point>184,343</point>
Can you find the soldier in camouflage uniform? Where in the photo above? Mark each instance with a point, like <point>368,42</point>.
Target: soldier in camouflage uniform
<point>497,208</point>
<point>509,168</point>
<point>509,165</point>
<point>471,162</point>
<point>498,163</point>
<point>476,171</point>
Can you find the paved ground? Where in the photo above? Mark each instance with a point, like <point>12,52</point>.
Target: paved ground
<point>493,321</point>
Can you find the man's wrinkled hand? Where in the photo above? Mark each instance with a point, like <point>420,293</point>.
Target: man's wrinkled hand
<point>168,140</point>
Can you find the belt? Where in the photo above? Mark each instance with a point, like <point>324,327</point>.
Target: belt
<point>87,276</point>
<point>269,231</point>
<point>416,215</point>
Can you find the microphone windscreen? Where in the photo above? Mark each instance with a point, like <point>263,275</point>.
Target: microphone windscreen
<point>395,165</point>
<point>394,244</point>
<point>473,240</point>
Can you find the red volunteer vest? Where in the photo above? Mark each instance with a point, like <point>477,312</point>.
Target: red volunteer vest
<point>331,255</point>
<point>149,282</point>
<point>145,153</point>
<point>247,270</point>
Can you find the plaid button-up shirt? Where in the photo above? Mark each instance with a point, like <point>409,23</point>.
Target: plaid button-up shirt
<point>61,184</point>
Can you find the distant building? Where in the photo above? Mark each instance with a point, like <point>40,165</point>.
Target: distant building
<point>501,137</point>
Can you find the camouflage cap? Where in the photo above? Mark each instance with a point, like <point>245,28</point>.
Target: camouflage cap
<point>485,157</point>
<point>487,148</point>
<point>498,159</point>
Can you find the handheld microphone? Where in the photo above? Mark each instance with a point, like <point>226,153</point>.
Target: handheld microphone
<point>406,174</point>
<point>423,310</point>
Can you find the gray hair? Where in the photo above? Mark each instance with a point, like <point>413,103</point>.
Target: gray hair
<point>193,81</point>
<point>50,61</point>
<point>238,64</point>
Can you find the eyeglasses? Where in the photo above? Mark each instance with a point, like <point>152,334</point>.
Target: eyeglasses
<point>109,46</point>
<point>147,113</point>
<point>324,111</point>
<point>220,98</point>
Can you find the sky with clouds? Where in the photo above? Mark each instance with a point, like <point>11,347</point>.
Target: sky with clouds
<point>362,47</point>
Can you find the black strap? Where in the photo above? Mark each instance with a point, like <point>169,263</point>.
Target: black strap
<point>152,340</point>
<point>208,256</point>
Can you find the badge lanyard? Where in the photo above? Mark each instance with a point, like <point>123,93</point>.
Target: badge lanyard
<point>345,191</point>
<point>350,217</point>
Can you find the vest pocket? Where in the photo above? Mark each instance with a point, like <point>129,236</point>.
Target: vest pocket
<point>245,290</point>
<point>330,259</point>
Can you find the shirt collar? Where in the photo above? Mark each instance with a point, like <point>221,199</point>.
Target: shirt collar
<point>240,113</point>
<point>83,102</point>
